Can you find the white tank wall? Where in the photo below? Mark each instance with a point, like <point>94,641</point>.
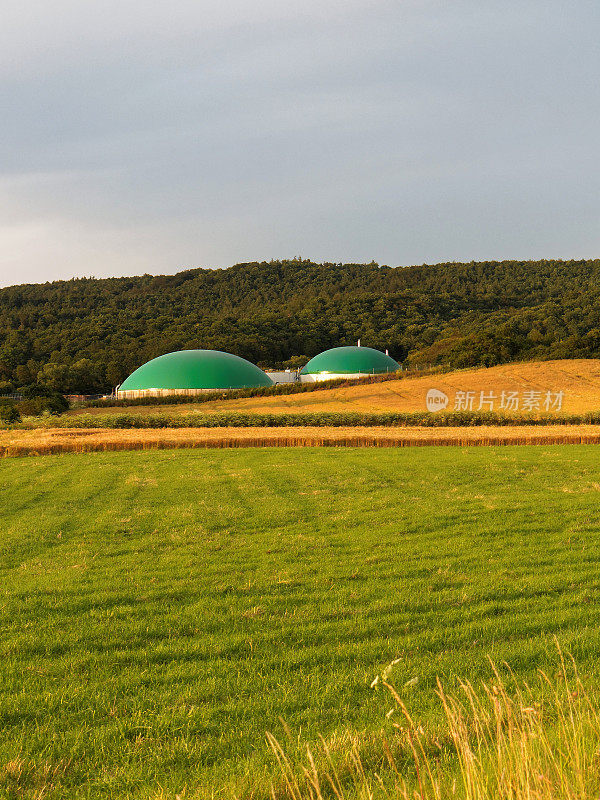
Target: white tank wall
<point>284,376</point>
<point>333,376</point>
<point>134,394</point>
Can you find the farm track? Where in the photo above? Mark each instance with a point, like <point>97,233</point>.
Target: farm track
<point>51,441</point>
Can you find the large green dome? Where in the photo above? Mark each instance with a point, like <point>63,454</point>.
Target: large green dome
<point>196,369</point>
<point>350,361</point>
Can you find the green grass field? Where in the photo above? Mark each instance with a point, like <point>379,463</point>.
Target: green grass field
<point>160,611</point>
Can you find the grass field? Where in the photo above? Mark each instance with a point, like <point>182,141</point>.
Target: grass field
<point>579,379</point>
<point>161,611</point>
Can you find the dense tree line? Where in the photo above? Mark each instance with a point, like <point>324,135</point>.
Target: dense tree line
<point>86,335</point>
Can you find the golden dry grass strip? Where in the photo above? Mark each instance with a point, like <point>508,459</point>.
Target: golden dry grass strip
<point>14,443</point>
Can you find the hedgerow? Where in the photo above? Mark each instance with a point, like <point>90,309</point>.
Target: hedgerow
<point>318,419</point>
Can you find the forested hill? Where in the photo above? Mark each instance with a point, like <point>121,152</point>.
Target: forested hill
<point>86,335</point>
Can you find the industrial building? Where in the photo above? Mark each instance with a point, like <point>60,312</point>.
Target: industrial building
<point>190,372</point>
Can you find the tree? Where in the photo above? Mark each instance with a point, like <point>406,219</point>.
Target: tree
<point>56,377</point>
<point>115,374</point>
<point>86,336</point>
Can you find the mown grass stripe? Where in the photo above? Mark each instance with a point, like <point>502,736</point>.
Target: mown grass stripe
<point>159,611</point>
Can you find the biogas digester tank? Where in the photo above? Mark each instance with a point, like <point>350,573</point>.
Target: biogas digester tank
<point>348,362</point>
<point>192,372</point>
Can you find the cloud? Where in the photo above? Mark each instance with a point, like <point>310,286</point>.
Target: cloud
<point>150,139</point>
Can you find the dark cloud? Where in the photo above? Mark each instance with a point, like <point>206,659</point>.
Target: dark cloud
<point>138,139</point>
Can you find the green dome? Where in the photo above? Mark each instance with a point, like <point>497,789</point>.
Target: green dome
<point>350,361</point>
<point>196,369</point>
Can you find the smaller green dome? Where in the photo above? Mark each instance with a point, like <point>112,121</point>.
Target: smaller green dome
<point>196,369</point>
<point>350,361</point>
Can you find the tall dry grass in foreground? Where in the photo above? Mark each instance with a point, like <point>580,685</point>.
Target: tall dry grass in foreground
<point>496,743</point>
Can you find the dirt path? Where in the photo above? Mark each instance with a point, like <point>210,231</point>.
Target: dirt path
<point>55,440</point>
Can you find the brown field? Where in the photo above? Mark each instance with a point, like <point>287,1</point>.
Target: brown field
<point>579,379</point>
<point>50,441</point>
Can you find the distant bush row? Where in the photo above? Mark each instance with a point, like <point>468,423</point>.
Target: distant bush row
<point>320,419</point>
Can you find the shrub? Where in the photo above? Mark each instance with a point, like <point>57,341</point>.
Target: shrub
<point>9,414</point>
<point>53,403</point>
<point>35,390</point>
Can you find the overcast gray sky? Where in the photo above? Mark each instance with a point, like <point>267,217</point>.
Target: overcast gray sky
<point>141,137</point>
